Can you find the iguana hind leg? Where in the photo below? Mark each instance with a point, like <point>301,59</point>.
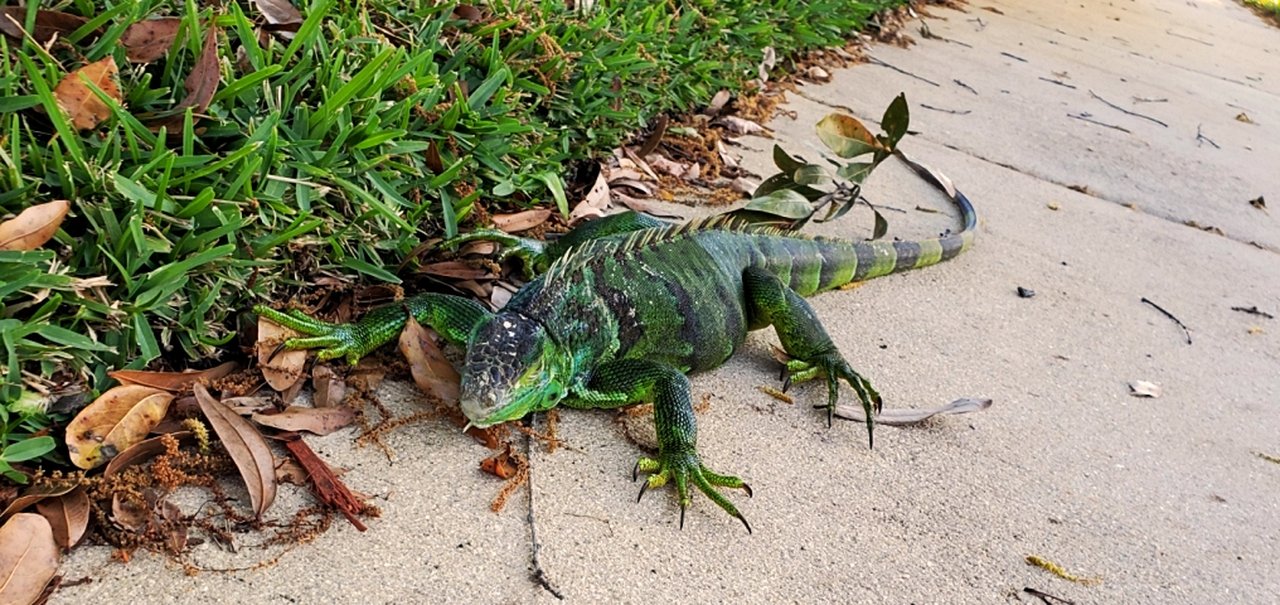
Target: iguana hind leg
<point>622,382</point>
<point>453,317</point>
<point>771,302</point>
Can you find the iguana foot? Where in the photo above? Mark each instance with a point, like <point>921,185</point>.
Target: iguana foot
<point>834,367</point>
<point>333,340</point>
<point>682,468</point>
<point>531,252</point>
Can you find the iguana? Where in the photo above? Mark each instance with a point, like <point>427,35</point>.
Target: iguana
<point>626,307</point>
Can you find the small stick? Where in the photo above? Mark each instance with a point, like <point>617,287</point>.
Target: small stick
<point>1087,118</point>
<point>876,61</point>
<point>1254,310</point>
<point>539,574</point>
<point>1013,56</point>
<point>1151,100</point>
<point>1046,597</point>
<point>1177,35</point>
<point>1170,316</point>
<point>1058,82</point>
<point>1201,138</point>
<point>965,86</point>
<point>958,112</point>
<point>1123,110</point>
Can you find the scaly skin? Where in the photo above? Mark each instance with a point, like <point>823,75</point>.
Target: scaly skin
<point>625,309</point>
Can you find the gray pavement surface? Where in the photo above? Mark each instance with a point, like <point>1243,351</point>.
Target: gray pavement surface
<point>1163,500</point>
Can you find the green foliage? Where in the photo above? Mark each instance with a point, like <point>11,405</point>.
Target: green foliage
<point>380,124</point>
<point>791,197</point>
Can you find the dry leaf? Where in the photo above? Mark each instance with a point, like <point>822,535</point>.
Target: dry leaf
<point>28,558</point>
<point>175,382</point>
<point>142,451</point>
<point>457,270</point>
<point>1244,117</point>
<point>1259,202</point>
<point>666,166</point>
<point>905,417</point>
<point>521,221</point>
<point>202,82</point>
<point>320,421</point>
<point>68,515</point>
<point>33,226</point>
<point>48,23</point>
<point>718,102</point>
<point>175,527</point>
<point>744,185</point>
<point>431,371</point>
<point>33,495</point>
<point>468,13</point>
<point>500,464</point>
<point>595,202</point>
<point>285,368</point>
<point>738,125</point>
<point>290,471</point>
<point>330,388</point>
<point>128,512</point>
<point>818,74</point>
<point>278,12</point>
<point>114,422</point>
<point>82,106</point>
<point>1142,388</point>
<point>146,41</point>
<point>247,448</point>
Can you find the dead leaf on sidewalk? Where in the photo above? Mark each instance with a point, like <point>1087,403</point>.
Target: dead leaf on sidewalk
<point>142,451</point>
<point>521,221</point>
<point>1244,117</point>
<point>1142,388</point>
<point>34,226</point>
<point>175,382</point>
<point>281,368</point>
<point>247,448</point>
<point>502,464</point>
<point>148,40</point>
<point>330,388</point>
<point>114,422</point>
<point>431,371</point>
<point>595,202</point>
<point>33,495</point>
<point>738,125</point>
<point>49,23</point>
<point>320,421</point>
<point>1258,202</point>
<point>68,515</point>
<point>28,558</point>
<point>77,100</point>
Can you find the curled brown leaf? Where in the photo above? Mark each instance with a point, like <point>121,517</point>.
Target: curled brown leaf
<point>281,368</point>
<point>521,221</point>
<point>247,448</point>
<point>68,515</point>
<point>33,226</point>
<point>28,558</point>
<point>431,371</point>
<point>175,382</point>
<point>78,101</point>
<point>320,421</point>
<point>49,23</point>
<point>115,421</point>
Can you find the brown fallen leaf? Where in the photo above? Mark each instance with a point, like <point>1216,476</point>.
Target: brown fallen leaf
<point>284,368</point>
<point>738,125</point>
<point>595,202</point>
<point>203,80</point>
<point>174,382</point>
<point>79,103</point>
<point>330,388</point>
<point>320,421</point>
<point>48,23</point>
<point>1259,202</point>
<point>148,40</point>
<point>468,13</point>
<point>115,421</point>
<point>33,226</point>
<point>1244,117</point>
<point>175,526</point>
<point>521,221</point>
<point>142,451</point>
<point>501,464</point>
<point>431,371</point>
<point>290,471</point>
<point>68,515</point>
<point>278,12</point>
<point>1142,388</point>
<point>28,558</point>
<point>718,102</point>
<point>247,448</point>
<point>457,270</point>
<point>128,513</point>
<point>33,495</point>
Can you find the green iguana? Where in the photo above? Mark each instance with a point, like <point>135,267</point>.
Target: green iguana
<point>626,307</point>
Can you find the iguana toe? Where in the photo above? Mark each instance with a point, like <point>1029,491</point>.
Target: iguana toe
<point>685,468</point>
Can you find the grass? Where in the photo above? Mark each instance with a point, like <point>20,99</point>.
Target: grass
<point>1266,8</point>
<point>379,125</point>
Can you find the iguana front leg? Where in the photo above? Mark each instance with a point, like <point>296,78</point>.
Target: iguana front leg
<point>771,302</point>
<point>627,381</point>
<point>453,317</point>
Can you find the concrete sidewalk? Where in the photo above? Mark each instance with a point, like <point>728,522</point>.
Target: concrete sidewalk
<point>1163,500</point>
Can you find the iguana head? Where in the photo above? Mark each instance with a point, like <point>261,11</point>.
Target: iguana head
<point>512,368</point>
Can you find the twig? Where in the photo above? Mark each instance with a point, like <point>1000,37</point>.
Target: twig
<point>959,112</point>
<point>1089,118</point>
<point>1200,138</point>
<point>904,72</point>
<point>1123,110</point>
<point>1046,597</point>
<point>1185,37</point>
<point>1151,100</point>
<point>539,574</point>
<point>929,35</point>
<point>1058,82</point>
<point>1013,56</point>
<point>1254,310</point>
<point>1170,316</point>
<point>965,86</point>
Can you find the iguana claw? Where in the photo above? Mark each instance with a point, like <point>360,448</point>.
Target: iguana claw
<point>685,467</point>
<point>835,368</point>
